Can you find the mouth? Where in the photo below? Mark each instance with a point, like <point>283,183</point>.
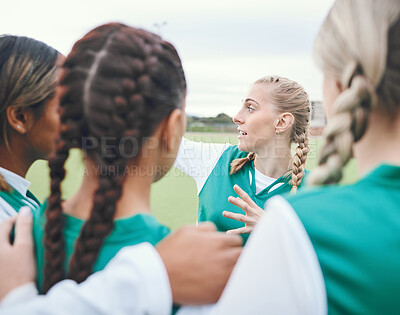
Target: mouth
<point>242,133</point>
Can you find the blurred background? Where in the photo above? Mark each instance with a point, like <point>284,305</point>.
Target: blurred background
<point>224,46</point>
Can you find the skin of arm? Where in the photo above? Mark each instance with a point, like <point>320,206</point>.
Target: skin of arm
<point>197,260</point>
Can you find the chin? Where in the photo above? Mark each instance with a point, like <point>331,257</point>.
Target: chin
<point>243,147</point>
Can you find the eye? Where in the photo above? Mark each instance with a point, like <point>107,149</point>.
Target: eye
<point>250,109</point>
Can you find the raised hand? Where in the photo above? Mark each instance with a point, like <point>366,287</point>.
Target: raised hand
<point>253,212</point>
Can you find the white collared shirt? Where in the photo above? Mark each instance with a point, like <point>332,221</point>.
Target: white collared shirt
<point>21,185</point>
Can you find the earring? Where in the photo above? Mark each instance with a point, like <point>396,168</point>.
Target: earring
<point>276,132</point>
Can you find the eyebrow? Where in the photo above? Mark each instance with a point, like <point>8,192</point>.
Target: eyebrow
<point>250,99</point>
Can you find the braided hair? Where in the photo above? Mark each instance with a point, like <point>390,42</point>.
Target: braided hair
<point>287,96</point>
<point>367,69</point>
<point>119,82</point>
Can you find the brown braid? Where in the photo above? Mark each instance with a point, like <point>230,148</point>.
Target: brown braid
<point>119,82</point>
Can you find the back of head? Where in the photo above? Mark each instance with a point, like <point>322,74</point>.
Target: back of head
<point>119,82</point>
<point>358,45</point>
<point>27,78</point>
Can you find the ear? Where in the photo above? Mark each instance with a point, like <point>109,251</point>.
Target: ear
<point>19,119</point>
<point>173,130</point>
<point>285,121</point>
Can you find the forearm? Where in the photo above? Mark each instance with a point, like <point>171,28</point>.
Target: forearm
<point>134,282</point>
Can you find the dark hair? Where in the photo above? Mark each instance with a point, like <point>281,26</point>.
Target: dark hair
<point>27,79</point>
<point>118,82</point>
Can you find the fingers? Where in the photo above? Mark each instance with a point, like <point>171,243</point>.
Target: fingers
<point>235,216</point>
<point>239,203</point>
<point>23,227</point>
<point>244,195</point>
<point>242,230</point>
<point>5,229</point>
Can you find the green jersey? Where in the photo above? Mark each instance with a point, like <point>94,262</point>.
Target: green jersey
<point>16,200</point>
<point>213,198</point>
<point>127,231</point>
<point>355,231</point>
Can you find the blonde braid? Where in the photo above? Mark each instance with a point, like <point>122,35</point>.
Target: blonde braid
<point>298,162</point>
<point>348,125</point>
<point>237,164</point>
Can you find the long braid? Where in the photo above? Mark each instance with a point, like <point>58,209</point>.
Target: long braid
<point>299,161</point>
<point>367,70</point>
<point>54,238</point>
<point>352,108</point>
<point>115,74</point>
<point>70,133</point>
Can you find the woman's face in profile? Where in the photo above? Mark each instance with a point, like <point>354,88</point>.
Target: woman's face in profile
<point>45,130</point>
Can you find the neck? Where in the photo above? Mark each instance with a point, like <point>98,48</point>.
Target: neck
<point>274,162</point>
<point>135,196</point>
<point>380,143</point>
<point>14,160</point>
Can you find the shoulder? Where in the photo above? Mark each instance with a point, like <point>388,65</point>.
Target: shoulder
<point>327,204</point>
<point>311,196</point>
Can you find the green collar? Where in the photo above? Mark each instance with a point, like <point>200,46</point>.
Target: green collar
<point>384,173</point>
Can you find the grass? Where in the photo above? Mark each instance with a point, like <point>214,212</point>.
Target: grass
<point>174,199</point>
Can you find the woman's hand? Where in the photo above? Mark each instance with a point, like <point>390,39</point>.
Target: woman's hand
<point>253,212</point>
<point>199,261</point>
<point>17,264</point>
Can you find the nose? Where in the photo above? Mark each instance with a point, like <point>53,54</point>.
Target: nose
<point>237,119</point>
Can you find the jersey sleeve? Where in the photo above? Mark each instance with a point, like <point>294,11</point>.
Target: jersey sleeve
<point>134,282</point>
<point>198,159</point>
<point>278,271</point>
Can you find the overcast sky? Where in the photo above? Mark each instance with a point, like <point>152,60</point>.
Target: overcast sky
<point>225,45</point>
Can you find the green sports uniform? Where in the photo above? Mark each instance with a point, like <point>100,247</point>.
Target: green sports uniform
<point>16,200</point>
<point>213,198</point>
<point>128,231</point>
<point>355,232</point>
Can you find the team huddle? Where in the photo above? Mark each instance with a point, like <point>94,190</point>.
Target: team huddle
<point>283,239</point>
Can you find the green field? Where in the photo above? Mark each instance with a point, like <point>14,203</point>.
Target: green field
<point>174,198</point>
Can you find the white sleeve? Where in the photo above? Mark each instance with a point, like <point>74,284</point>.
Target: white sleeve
<point>277,273</point>
<point>134,282</point>
<point>198,159</point>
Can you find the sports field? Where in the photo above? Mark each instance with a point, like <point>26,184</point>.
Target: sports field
<point>174,198</point>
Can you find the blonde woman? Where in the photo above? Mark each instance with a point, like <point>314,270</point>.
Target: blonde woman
<point>274,114</point>
<point>335,249</point>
